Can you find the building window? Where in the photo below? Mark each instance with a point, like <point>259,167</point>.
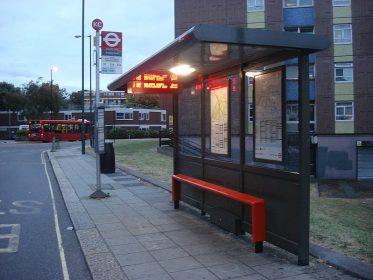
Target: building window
<point>128,116</point>
<point>120,116</point>
<point>300,29</point>
<point>292,119</point>
<point>343,72</point>
<point>297,3</point>
<point>68,117</point>
<point>338,3</point>
<point>292,113</point>
<point>312,117</point>
<point>250,112</point>
<point>344,111</point>
<point>163,117</point>
<point>144,116</point>
<point>342,34</point>
<point>292,72</point>
<point>124,116</point>
<point>21,117</point>
<point>255,5</point>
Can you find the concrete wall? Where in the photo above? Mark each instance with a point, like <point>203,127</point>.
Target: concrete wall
<point>336,156</point>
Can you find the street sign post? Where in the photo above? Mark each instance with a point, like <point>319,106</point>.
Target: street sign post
<point>97,25</point>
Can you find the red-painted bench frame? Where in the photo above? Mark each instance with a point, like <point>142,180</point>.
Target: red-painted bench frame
<point>256,203</point>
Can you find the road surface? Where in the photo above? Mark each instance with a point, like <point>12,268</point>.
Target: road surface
<point>33,218</point>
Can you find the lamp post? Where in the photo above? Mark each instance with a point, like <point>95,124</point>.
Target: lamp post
<point>53,69</point>
<point>90,73</point>
<point>83,115</point>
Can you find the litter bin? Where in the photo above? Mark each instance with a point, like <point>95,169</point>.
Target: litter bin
<point>107,160</point>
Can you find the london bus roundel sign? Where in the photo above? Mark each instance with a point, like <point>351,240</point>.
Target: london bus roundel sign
<point>97,24</point>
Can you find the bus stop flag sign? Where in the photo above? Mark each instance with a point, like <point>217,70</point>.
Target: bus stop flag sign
<point>111,52</point>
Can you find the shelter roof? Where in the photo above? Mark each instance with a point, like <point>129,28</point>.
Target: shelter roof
<point>213,48</point>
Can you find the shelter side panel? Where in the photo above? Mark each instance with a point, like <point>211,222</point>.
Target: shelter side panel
<point>223,211</point>
<point>282,208</point>
<point>190,194</point>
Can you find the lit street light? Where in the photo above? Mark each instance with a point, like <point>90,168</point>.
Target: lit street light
<point>53,69</point>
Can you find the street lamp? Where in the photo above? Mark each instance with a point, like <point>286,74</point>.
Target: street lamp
<point>53,69</point>
<point>90,73</point>
<point>83,115</point>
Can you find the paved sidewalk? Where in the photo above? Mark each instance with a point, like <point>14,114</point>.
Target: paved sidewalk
<point>136,233</point>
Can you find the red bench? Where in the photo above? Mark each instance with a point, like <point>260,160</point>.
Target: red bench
<point>257,204</point>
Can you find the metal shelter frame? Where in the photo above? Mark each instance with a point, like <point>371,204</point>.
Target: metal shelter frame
<point>240,50</point>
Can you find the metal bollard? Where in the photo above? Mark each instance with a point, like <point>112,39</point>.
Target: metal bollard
<point>57,141</point>
<point>53,149</point>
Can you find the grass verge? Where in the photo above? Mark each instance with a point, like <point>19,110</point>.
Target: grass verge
<point>344,225</point>
<point>142,155</point>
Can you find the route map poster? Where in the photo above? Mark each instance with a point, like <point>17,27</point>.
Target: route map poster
<point>268,116</point>
<point>219,120</point>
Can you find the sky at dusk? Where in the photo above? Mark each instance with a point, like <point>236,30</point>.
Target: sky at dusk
<point>39,34</point>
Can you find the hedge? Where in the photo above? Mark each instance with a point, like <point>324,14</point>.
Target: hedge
<point>122,133</point>
<point>22,133</point>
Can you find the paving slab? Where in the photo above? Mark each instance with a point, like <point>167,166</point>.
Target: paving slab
<point>136,234</point>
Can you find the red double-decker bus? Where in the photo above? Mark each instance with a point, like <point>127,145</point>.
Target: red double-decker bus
<point>45,130</point>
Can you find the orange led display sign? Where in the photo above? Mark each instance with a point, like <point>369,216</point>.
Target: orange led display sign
<point>155,82</point>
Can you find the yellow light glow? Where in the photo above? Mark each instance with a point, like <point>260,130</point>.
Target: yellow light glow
<point>253,73</point>
<point>182,70</point>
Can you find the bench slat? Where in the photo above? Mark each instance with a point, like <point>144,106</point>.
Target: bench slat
<point>235,195</point>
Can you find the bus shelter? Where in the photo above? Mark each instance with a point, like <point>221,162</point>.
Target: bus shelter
<point>230,123</point>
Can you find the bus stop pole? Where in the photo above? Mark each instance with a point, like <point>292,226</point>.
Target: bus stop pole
<point>98,193</point>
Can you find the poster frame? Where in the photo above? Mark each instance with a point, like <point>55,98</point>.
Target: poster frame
<point>282,71</point>
<point>229,92</point>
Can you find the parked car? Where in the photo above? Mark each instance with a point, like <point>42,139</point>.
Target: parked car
<point>23,127</point>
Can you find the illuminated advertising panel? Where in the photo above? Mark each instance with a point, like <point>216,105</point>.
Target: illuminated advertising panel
<point>155,82</point>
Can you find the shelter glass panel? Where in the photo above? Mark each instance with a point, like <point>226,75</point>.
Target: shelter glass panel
<point>189,122</point>
<point>222,120</point>
<point>268,140</point>
<point>268,126</point>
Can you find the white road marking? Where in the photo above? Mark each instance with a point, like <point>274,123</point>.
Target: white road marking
<point>26,205</point>
<point>13,237</point>
<point>56,223</point>
<point>2,213</point>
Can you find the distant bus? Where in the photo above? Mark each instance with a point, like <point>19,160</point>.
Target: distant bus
<point>45,130</point>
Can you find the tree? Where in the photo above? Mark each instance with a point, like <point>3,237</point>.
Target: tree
<point>41,97</point>
<point>143,100</point>
<point>15,101</point>
<point>76,98</point>
<point>11,97</point>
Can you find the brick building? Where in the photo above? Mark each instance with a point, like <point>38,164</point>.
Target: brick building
<point>341,77</point>
<point>117,115</point>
